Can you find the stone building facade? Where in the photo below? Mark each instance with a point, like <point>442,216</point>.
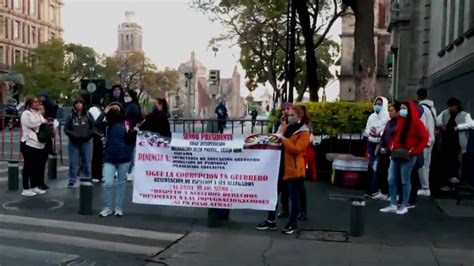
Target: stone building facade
<point>24,24</point>
<point>433,43</point>
<point>130,35</point>
<point>382,49</point>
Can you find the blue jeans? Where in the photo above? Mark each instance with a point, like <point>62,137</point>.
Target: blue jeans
<point>75,153</point>
<point>373,164</point>
<point>109,175</point>
<point>400,169</point>
<point>132,163</point>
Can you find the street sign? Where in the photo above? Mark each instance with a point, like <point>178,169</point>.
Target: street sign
<point>91,87</point>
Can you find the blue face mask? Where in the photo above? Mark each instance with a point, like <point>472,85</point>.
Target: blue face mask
<point>155,109</point>
<point>116,94</point>
<point>377,108</point>
<point>404,113</point>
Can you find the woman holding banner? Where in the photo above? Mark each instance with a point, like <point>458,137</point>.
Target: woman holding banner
<point>295,138</point>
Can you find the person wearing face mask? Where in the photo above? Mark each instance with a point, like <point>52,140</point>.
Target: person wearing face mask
<point>295,139</point>
<point>117,95</point>
<point>157,121</point>
<point>282,186</point>
<point>373,130</point>
<point>411,138</point>
<point>119,142</point>
<point>454,124</point>
<point>384,153</point>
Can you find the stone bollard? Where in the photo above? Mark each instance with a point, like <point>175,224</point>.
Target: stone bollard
<point>85,197</point>
<point>13,171</point>
<point>52,167</point>
<point>357,218</point>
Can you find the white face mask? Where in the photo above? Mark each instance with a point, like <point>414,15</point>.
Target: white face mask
<point>127,99</point>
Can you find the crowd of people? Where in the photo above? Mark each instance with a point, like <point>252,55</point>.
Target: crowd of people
<point>101,141</point>
<point>400,145</point>
<point>400,141</point>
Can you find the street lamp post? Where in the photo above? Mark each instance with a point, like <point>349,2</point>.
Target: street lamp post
<point>189,77</point>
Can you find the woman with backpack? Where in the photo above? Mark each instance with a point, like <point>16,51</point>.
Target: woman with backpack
<point>31,148</point>
<point>411,138</point>
<point>119,140</point>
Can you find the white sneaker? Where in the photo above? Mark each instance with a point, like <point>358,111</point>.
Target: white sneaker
<point>380,196</point>
<point>118,212</point>
<point>402,211</point>
<point>95,180</point>
<point>129,177</point>
<point>454,180</point>
<point>424,192</point>
<point>389,209</point>
<point>38,191</point>
<point>105,212</point>
<point>28,193</point>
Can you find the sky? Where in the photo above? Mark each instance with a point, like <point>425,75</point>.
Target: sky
<point>171,31</point>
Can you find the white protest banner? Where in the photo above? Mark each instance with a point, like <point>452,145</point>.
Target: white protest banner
<point>208,140</point>
<point>195,176</point>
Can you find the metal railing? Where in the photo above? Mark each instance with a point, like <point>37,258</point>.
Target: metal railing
<point>10,139</point>
<point>339,136</point>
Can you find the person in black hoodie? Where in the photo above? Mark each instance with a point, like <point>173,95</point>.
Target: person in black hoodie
<point>117,155</point>
<point>79,128</point>
<point>157,121</point>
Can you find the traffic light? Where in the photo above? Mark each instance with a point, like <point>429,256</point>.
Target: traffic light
<point>214,75</point>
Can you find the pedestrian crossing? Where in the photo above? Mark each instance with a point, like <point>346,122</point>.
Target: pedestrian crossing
<point>80,235</point>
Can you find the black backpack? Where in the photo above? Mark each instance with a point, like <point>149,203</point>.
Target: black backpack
<point>45,133</point>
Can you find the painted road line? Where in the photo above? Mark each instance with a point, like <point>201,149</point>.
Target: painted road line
<point>87,227</point>
<point>81,242</point>
<point>39,256</point>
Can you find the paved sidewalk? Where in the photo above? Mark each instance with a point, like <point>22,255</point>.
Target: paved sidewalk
<point>208,249</point>
<point>425,235</point>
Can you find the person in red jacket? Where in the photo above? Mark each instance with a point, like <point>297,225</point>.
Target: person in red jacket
<point>411,137</point>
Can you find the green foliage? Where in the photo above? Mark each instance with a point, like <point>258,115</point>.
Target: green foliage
<point>259,28</point>
<point>333,118</point>
<point>44,70</point>
<point>338,117</point>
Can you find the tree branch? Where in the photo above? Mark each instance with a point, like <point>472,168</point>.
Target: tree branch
<point>329,26</point>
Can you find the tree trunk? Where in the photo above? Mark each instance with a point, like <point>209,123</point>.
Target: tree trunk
<point>364,49</point>
<point>311,63</point>
<point>292,51</point>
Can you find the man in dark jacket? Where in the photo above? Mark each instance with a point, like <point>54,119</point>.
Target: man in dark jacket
<point>222,116</point>
<point>79,128</point>
<point>50,109</point>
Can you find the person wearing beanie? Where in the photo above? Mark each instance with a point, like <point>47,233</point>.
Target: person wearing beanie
<point>79,128</point>
<point>50,109</point>
<point>454,124</point>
